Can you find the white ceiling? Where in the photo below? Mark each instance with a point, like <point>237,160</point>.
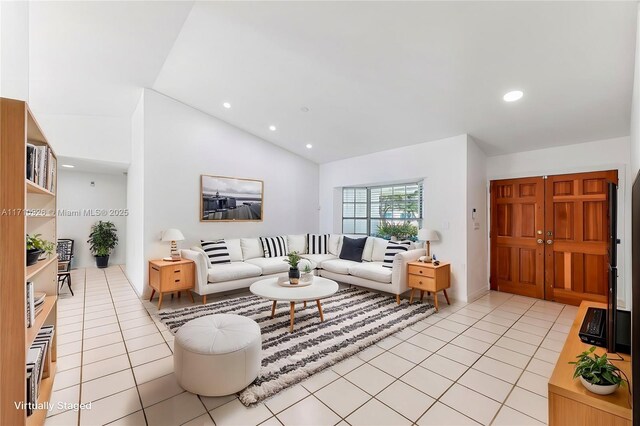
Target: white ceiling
<point>94,58</point>
<point>374,75</point>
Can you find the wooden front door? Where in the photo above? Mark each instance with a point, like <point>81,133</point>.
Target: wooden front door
<point>549,236</point>
<point>517,224</point>
<point>576,237</point>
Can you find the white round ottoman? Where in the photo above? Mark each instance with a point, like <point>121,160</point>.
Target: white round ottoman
<point>217,355</point>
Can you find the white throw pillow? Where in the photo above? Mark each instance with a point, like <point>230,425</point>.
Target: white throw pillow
<point>379,249</point>
<point>235,250</point>
<point>367,253</point>
<point>335,244</point>
<point>297,243</point>
<point>251,248</point>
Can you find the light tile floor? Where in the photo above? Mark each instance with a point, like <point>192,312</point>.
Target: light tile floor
<point>487,362</point>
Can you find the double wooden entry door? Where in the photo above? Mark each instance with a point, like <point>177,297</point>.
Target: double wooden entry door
<point>549,236</point>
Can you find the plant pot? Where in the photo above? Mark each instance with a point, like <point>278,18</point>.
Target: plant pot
<point>32,256</point>
<point>599,389</point>
<point>294,276</point>
<point>394,238</point>
<point>102,261</point>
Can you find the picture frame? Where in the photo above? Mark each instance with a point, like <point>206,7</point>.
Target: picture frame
<point>231,199</point>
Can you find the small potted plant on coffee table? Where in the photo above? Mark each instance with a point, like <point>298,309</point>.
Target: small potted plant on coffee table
<point>294,273</point>
<point>597,373</point>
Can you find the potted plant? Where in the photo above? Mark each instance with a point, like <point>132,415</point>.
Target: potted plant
<point>103,239</point>
<point>397,231</point>
<point>294,273</point>
<point>597,373</point>
<point>36,247</point>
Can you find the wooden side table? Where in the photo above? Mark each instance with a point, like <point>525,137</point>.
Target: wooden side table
<point>169,277</point>
<point>430,278</point>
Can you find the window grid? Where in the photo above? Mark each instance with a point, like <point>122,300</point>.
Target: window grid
<point>363,208</point>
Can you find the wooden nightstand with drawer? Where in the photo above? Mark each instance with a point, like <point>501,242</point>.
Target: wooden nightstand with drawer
<point>430,278</point>
<point>169,277</point>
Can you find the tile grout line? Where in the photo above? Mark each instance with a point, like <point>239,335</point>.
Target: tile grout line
<point>144,414</point>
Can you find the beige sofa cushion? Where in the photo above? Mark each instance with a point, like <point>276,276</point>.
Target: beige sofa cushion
<point>379,249</point>
<point>338,266</point>
<point>318,259</point>
<point>371,271</point>
<point>297,243</point>
<point>335,244</point>
<point>235,249</point>
<point>251,248</point>
<point>270,265</point>
<point>232,271</point>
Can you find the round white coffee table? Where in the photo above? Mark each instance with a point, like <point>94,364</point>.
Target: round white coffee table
<point>270,289</point>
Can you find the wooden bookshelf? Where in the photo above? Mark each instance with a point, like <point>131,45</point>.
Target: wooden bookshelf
<point>34,188</point>
<point>18,127</point>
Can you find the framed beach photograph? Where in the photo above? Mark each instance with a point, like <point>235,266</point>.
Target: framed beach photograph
<point>224,199</point>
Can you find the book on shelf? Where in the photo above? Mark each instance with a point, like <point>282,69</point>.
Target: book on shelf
<point>41,166</point>
<point>31,313</point>
<point>38,365</point>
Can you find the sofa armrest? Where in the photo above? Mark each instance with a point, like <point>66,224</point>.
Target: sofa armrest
<point>201,269</point>
<point>399,272</point>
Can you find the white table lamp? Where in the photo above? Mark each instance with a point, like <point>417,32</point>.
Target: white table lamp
<point>173,235</point>
<point>428,235</point>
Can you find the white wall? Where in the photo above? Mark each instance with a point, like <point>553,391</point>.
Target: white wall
<point>477,228</point>
<point>135,196</point>
<point>14,50</point>
<point>442,165</point>
<point>606,154</point>
<point>75,194</point>
<point>180,144</point>
<point>635,110</point>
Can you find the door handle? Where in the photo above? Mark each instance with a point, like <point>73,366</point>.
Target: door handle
<point>540,241</point>
<point>549,242</point>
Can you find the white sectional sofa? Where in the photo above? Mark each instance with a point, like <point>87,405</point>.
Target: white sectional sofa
<point>249,265</point>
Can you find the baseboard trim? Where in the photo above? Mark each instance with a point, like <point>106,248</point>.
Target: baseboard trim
<point>472,297</point>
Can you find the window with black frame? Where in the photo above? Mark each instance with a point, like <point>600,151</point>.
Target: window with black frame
<point>373,210</point>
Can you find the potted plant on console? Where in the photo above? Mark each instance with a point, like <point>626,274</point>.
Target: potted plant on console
<point>103,239</point>
<point>397,231</point>
<point>36,247</point>
<point>294,273</point>
<point>597,373</point>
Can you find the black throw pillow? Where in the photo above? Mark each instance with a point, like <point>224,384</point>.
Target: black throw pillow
<point>352,248</point>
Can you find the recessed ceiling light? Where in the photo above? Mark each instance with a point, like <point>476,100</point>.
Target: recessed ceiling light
<point>304,109</point>
<point>309,146</point>
<point>227,105</point>
<point>272,128</point>
<point>512,96</point>
<point>68,166</point>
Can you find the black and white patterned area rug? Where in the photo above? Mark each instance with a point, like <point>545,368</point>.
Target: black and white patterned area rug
<point>353,320</point>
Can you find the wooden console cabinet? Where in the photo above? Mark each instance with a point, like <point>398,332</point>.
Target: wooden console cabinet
<point>570,403</point>
<point>169,277</point>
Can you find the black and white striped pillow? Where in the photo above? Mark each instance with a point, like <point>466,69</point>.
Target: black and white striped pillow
<point>393,248</point>
<point>217,251</point>
<point>274,246</point>
<point>318,244</point>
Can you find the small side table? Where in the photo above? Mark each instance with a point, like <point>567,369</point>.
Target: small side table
<point>169,277</point>
<point>430,278</point>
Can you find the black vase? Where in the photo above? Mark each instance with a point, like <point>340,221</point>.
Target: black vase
<point>294,275</point>
<point>102,261</point>
<point>32,256</point>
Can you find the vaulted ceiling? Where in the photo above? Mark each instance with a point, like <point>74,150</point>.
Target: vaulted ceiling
<point>349,77</point>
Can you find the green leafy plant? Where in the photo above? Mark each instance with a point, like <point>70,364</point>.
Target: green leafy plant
<point>597,370</point>
<point>103,238</point>
<point>307,269</point>
<point>292,259</point>
<point>403,230</point>
<point>34,242</point>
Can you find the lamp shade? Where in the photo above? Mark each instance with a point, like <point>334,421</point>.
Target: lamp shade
<point>425,234</point>
<point>172,235</point>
